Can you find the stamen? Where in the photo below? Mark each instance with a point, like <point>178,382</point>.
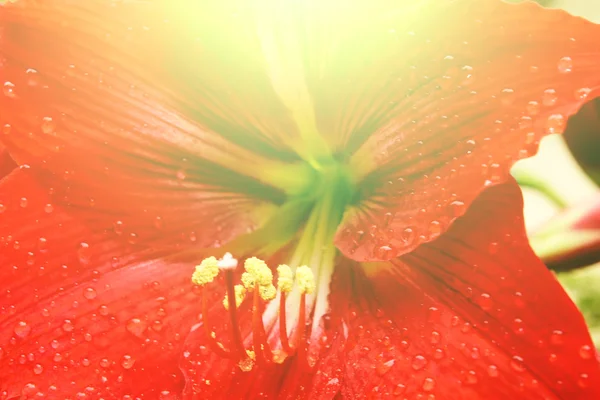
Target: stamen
<point>240,294</point>
<point>285,281</point>
<point>305,280</point>
<point>233,318</point>
<point>257,279</point>
<point>259,336</point>
<point>210,335</point>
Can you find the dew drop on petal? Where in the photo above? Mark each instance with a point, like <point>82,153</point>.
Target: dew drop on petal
<point>68,326</point>
<point>48,208</point>
<point>419,362</point>
<point>48,125</point>
<point>549,98</point>
<point>9,89</point>
<point>89,293</point>
<point>38,369</point>
<point>485,301</point>
<point>127,361</point>
<point>399,389</point>
<point>586,352</point>
<point>32,77</point>
<point>384,367</point>
<point>533,107</point>
<point>555,123</point>
<point>428,384</point>
<point>6,129</point>
<point>517,364</point>
<point>22,329</point>
<point>136,327</point>
<point>584,380</point>
<point>557,338</point>
<point>471,378</point>
<point>582,93</point>
<point>435,337</point>
<point>492,371</point>
<point>438,354</point>
<point>565,65</point>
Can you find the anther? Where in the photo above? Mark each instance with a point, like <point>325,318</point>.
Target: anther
<point>257,279</point>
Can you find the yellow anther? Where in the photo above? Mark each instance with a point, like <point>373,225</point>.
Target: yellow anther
<point>206,272</point>
<point>305,279</point>
<point>248,281</point>
<point>259,271</point>
<point>267,292</point>
<point>240,293</point>
<point>285,278</point>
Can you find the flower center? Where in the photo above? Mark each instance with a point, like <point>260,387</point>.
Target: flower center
<point>285,320</point>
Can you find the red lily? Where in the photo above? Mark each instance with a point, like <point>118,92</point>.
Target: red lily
<point>150,135</point>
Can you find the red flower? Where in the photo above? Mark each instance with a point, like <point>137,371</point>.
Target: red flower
<point>150,136</point>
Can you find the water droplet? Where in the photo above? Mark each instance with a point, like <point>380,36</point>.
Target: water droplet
<point>533,108</point>
<point>32,77</point>
<point>516,363</point>
<point>565,65</point>
<point>68,326</point>
<point>428,384</point>
<point>22,329</point>
<point>582,93</point>
<point>6,129</point>
<point>384,252</point>
<point>408,235</point>
<point>556,338</point>
<point>136,327</point>
<point>384,367</point>
<point>399,389</point>
<point>83,253</point>
<point>518,326</point>
<point>492,371</point>
<point>118,227</point>
<point>103,310</point>
<point>9,89</point>
<point>471,378</point>
<point>586,352</point>
<point>158,223</point>
<point>181,175</point>
<point>127,361</point>
<point>584,380</point>
<point>104,363</point>
<point>549,98</point>
<point>435,228</point>
<point>435,337</point>
<point>485,301</point>
<point>457,208</point>
<point>555,123</point>
<point>90,293</point>
<point>38,369</point>
<point>419,362</point>
<point>48,208</point>
<point>23,202</point>
<point>438,354</point>
<point>48,125</point>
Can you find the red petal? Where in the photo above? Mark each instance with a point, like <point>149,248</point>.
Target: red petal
<point>461,105</point>
<point>473,313</point>
<point>141,156</point>
<point>81,313</point>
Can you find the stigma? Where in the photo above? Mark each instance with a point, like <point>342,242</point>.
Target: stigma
<point>257,286</point>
